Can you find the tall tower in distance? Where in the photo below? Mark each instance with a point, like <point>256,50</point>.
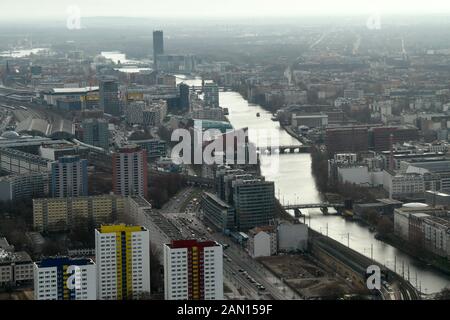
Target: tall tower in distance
<point>158,46</point>
<point>109,96</point>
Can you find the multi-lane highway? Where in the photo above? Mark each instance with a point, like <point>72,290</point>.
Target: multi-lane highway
<point>243,272</point>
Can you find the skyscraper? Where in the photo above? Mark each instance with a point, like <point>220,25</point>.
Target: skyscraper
<point>69,177</point>
<point>62,278</point>
<point>122,254</point>
<point>130,171</point>
<point>158,46</point>
<point>193,270</point>
<point>109,96</point>
<point>95,133</point>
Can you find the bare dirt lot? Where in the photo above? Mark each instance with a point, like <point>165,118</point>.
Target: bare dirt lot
<point>305,277</point>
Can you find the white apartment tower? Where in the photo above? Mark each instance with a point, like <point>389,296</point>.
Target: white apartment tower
<point>62,278</point>
<point>122,255</point>
<point>193,270</point>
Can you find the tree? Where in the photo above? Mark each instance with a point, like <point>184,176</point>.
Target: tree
<point>52,248</point>
<point>385,226</point>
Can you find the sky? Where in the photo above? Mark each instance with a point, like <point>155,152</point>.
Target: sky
<point>61,9</point>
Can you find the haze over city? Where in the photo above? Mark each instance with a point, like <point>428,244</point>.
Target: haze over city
<point>56,9</point>
<point>243,152</point>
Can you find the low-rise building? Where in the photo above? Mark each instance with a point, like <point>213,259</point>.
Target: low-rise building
<point>292,237</point>
<point>262,241</point>
<point>403,185</point>
<point>15,267</point>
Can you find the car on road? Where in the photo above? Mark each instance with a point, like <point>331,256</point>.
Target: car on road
<point>241,270</point>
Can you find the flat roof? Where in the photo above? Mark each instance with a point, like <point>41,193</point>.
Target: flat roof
<point>73,90</point>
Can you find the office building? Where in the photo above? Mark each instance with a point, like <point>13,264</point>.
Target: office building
<point>122,254</point>
<point>130,171</point>
<point>381,137</point>
<point>62,278</point>
<point>62,214</point>
<point>218,212</point>
<point>254,201</point>
<point>96,133</point>
<point>155,148</point>
<point>185,93</point>
<point>135,112</point>
<point>193,270</point>
<point>158,47</point>
<point>69,177</point>
<point>346,139</point>
<point>109,97</point>
<point>211,94</point>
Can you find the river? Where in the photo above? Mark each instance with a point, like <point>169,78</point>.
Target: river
<point>294,183</point>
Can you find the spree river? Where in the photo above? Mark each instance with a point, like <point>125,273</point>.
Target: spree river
<point>294,183</point>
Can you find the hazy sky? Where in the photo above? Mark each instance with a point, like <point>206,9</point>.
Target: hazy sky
<point>57,9</point>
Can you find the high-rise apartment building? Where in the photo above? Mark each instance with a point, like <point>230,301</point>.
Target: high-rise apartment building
<point>69,177</point>
<point>96,133</point>
<point>193,270</point>
<point>158,46</point>
<point>130,171</point>
<point>109,96</point>
<point>63,278</point>
<point>122,254</point>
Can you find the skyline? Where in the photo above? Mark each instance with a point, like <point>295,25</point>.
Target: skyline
<point>59,10</point>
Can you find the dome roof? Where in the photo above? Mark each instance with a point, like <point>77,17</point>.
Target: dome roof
<point>10,135</point>
<point>415,205</point>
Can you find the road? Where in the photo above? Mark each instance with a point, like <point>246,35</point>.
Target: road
<point>240,270</point>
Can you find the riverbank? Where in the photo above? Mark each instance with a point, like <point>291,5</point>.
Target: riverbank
<point>426,258</point>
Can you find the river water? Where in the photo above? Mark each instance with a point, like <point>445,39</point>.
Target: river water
<point>294,183</point>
